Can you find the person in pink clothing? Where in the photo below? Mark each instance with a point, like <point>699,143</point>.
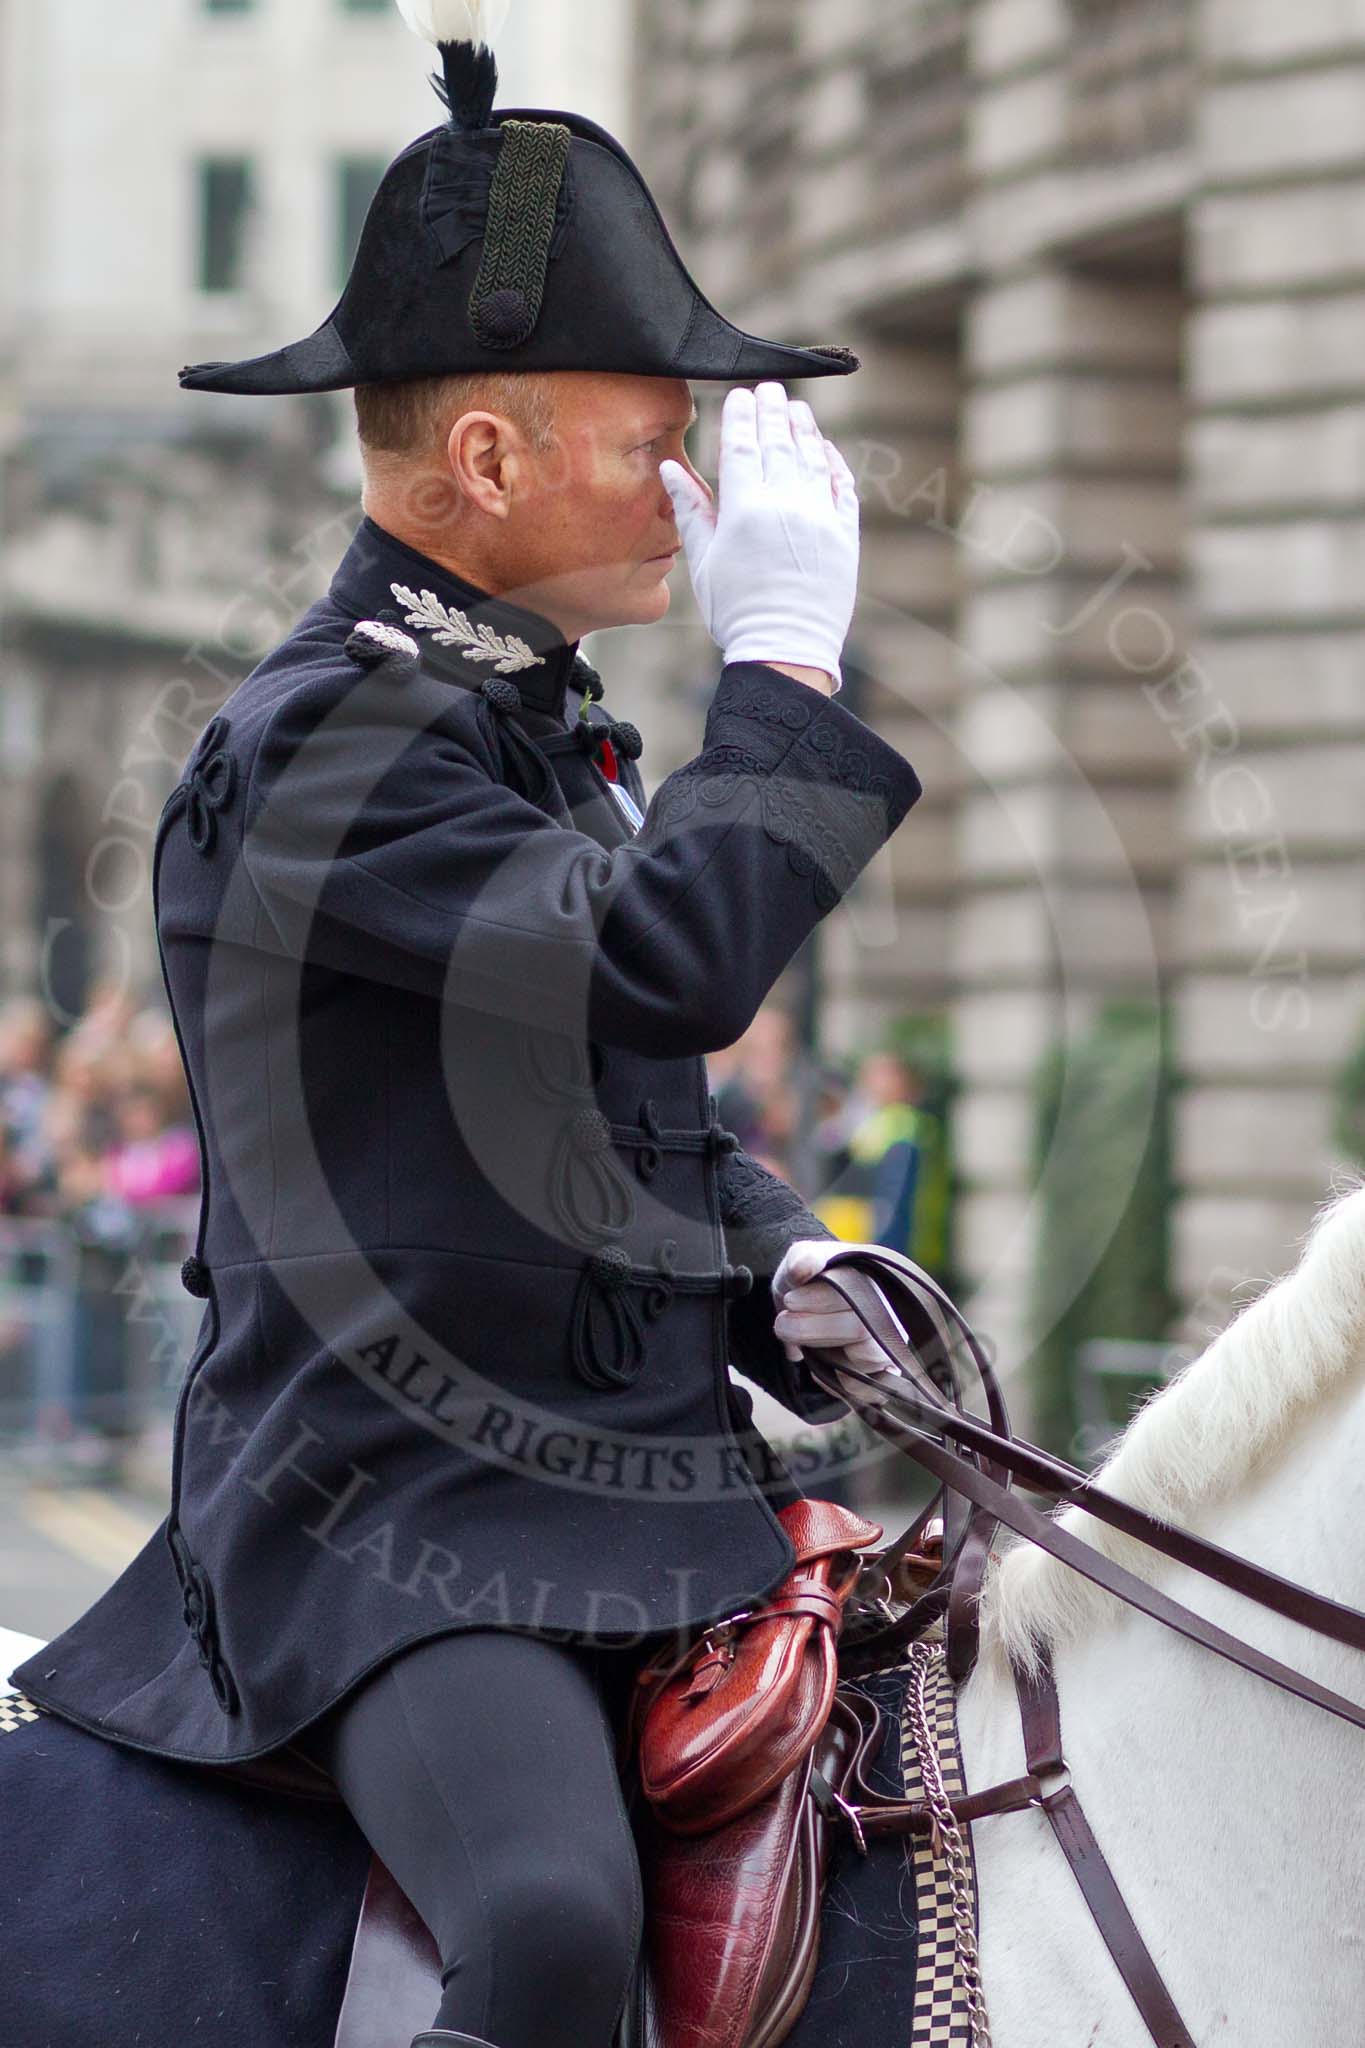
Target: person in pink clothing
<point>150,1164</point>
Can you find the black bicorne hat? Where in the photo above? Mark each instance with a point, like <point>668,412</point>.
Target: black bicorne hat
<point>522,239</point>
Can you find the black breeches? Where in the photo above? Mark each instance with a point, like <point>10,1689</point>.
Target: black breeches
<point>480,1767</point>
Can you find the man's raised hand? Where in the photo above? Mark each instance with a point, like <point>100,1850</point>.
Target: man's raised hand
<point>774,564</point>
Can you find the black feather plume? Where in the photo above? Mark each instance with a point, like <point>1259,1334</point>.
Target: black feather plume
<point>470,84</point>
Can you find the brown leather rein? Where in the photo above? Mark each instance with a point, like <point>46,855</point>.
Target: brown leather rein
<point>914,1322</point>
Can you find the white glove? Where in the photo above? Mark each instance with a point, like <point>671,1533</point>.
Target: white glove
<point>775,565</point>
<point>812,1314</point>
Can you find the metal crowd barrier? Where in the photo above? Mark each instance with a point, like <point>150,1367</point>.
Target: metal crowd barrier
<point>95,1326</point>
<point>1107,1369</point>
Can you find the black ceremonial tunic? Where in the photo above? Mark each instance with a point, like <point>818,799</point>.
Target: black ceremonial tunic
<point>474,1250</point>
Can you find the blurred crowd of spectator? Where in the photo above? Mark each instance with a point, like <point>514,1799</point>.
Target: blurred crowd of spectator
<point>99,1184</point>
<point>863,1143</point>
<point>96,1124</point>
<point>99,1154</point>
<point>98,1121</point>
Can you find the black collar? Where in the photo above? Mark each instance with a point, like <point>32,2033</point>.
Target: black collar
<point>543,661</point>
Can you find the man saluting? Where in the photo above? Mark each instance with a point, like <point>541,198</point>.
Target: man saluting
<point>457,1443</point>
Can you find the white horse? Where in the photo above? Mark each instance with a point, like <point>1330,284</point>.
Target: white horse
<point>1230,1812</point>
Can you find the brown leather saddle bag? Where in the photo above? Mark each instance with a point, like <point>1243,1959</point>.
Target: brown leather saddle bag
<point>732,1917</point>
<point>715,1729</point>
<point>736,1754</point>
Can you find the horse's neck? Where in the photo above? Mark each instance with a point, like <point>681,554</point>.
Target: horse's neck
<point>1226,1808</point>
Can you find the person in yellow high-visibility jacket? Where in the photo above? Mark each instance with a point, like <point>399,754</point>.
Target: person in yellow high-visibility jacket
<point>892,1188</point>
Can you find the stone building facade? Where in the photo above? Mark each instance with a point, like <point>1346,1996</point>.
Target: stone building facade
<point>1104,261</point>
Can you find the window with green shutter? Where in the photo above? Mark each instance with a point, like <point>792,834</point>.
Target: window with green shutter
<point>225,201</point>
<point>357,181</point>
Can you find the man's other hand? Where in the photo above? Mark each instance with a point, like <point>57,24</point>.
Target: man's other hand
<point>811,1315</point>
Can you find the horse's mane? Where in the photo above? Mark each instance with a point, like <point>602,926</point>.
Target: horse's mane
<point>1203,1434</point>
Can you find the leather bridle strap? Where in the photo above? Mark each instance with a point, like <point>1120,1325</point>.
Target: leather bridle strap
<point>1042,1473</point>
<point>1041,1712</point>
<point>960,1473</point>
<point>1045,1474</point>
<point>926,1354</point>
<point>878,1815</point>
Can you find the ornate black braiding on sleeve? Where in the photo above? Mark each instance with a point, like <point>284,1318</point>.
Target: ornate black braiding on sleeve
<point>827,788</point>
<point>762,1214</point>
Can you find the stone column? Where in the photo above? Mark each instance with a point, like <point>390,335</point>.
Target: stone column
<point>1069,532</point>
<point>897,424</point>
<point>762,210</point>
<point>864,178</point>
<point>1272,716</point>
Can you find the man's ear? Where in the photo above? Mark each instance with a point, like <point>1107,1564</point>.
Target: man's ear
<point>482,462</point>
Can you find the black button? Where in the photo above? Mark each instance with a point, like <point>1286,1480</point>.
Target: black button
<point>194,1278</point>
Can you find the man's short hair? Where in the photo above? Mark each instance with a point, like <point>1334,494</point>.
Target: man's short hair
<point>413,417</point>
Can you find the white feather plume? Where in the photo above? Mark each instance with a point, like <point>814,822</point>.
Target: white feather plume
<point>455,21</point>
